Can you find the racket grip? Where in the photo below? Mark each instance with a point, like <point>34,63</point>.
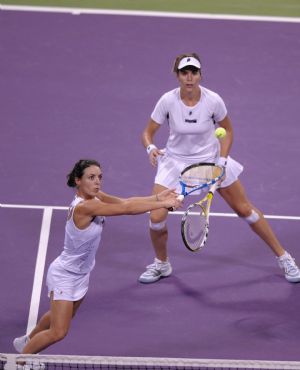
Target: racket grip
<point>180,197</point>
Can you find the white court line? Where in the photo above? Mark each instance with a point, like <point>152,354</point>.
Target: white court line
<point>29,206</point>
<point>291,218</point>
<point>39,269</point>
<point>78,11</point>
<point>216,214</point>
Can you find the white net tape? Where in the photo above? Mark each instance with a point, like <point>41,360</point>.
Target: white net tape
<point>41,362</point>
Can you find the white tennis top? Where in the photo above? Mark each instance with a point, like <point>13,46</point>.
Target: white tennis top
<point>80,245</point>
<point>191,128</point>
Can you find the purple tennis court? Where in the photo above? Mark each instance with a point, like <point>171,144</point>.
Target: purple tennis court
<point>75,86</point>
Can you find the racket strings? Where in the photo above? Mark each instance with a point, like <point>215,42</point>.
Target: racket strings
<point>196,175</point>
<point>195,227</point>
<point>192,182</point>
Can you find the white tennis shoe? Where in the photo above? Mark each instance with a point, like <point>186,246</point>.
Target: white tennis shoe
<point>20,342</point>
<point>291,271</point>
<point>155,271</point>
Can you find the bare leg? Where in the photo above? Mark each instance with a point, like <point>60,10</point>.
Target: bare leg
<point>43,324</point>
<point>236,198</point>
<point>159,238</point>
<point>53,326</point>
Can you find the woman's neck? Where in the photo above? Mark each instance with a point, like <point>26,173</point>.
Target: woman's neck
<point>82,195</point>
<point>190,98</point>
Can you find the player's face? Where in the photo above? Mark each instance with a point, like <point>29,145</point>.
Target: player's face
<point>189,79</point>
<point>90,183</point>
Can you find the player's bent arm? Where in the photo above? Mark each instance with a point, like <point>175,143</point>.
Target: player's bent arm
<point>226,142</point>
<point>149,132</point>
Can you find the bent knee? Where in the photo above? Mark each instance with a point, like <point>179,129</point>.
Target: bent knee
<point>243,209</point>
<point>58,334</point>
<point>158,215</point>
<point>158,219</point>
<point>157,226</point>
<point>251,217</point>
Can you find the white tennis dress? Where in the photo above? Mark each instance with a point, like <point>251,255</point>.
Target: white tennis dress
<point>68,275</point>
<point>192,135</point>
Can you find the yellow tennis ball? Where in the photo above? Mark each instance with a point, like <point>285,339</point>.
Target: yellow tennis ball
<point>220,132</point>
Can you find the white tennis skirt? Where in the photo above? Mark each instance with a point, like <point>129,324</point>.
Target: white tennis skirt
<point>169,169</point>
<point>66,285</point>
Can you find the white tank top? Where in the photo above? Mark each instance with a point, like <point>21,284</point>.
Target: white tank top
<point>80,245</point>
<point>191,128</point>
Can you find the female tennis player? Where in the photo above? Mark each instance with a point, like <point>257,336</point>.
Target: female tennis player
<point>68,275</point>
<point>191,112</point>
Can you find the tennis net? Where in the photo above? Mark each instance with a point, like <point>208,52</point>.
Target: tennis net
<point>60,362</point>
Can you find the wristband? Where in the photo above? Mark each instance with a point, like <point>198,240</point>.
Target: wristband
<point>150,147</point>
<point>222,161</point>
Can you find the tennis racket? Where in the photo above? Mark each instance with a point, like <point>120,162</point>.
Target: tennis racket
<point>195,221</point>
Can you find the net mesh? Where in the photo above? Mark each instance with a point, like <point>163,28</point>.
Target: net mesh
<point>43,362</point>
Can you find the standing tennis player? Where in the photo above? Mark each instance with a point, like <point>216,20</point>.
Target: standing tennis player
<point>191,112</point>
<point>68,275</point>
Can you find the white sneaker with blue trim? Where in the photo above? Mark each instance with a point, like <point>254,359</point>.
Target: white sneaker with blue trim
<point>155,271</point>
<point>291,270</point>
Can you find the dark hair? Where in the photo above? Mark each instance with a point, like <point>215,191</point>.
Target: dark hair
<point>181,56</point>
<point>78,170</point>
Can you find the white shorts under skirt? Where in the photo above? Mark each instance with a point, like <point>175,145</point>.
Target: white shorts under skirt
<point>169,169</point>
<point>66,285</point>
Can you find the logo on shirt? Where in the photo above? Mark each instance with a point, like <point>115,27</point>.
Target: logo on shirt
<point>190,120</point>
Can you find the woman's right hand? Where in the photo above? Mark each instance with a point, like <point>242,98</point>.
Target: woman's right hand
<point>154,155</point>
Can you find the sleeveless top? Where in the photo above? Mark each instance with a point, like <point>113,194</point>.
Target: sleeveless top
<point>80,245</point>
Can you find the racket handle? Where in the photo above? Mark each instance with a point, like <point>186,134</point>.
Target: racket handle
<point>213,188</point>
<point>180,197</point>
